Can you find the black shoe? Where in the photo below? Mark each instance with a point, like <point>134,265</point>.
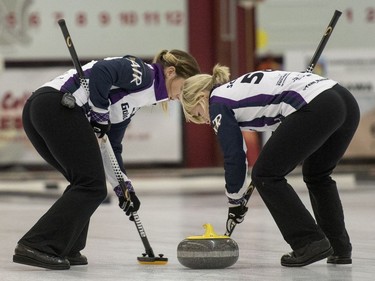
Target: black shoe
<point>77,259</point>
<point>308,254</point>
<point>29,256</point>
<point>340,259</point>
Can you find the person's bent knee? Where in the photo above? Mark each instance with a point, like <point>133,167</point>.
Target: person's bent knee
<point>96,190</point>
<point>318,181</point>
<point>262,178</point>
<point>259,178</point>
<point>101,192</point>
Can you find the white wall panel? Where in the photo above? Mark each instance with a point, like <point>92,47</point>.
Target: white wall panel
<point>29,29</point>
<point>300,24</point>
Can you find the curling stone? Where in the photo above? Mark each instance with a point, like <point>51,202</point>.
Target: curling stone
<point>208,251</point>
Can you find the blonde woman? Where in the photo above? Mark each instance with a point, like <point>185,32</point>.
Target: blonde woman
<point>63,124</point>
<point>313,120</point>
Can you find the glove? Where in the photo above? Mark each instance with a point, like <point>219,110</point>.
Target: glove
<point>100,129</point>
<point>129,202</point>
<point>237,214</point>
<point>100,122</point>
<point>237,209</point>
<point>129,205</point>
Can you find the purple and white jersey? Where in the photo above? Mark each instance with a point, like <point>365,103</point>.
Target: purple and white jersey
<point>120,85</point>
<point>261,99</point>
<point>257,101</point>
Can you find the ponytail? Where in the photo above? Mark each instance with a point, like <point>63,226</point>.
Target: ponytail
<point>193,93</point>
<point>220,75</point>
<point>184,63</point>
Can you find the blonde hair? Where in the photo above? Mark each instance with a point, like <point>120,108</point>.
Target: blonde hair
<point>195,88</point>
<point>184,63</point>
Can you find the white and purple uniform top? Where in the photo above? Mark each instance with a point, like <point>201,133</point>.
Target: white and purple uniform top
<point>120,85</point>
<point>256,101</point>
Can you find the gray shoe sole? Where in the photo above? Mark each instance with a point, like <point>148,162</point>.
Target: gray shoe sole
<point>339,260</point>
<point>33,262</point>
<point>313,259</point>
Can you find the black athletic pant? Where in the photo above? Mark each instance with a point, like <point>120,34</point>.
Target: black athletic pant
<point>65,139</point>
<point>317,135</point>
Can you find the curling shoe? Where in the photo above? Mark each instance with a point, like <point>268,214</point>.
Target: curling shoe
<point>77,259</point>
<point>340,259</point>
<point>29,256</point>
<point>308,254</point>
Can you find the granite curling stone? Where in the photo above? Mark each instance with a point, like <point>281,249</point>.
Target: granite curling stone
<point>208,251</point>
